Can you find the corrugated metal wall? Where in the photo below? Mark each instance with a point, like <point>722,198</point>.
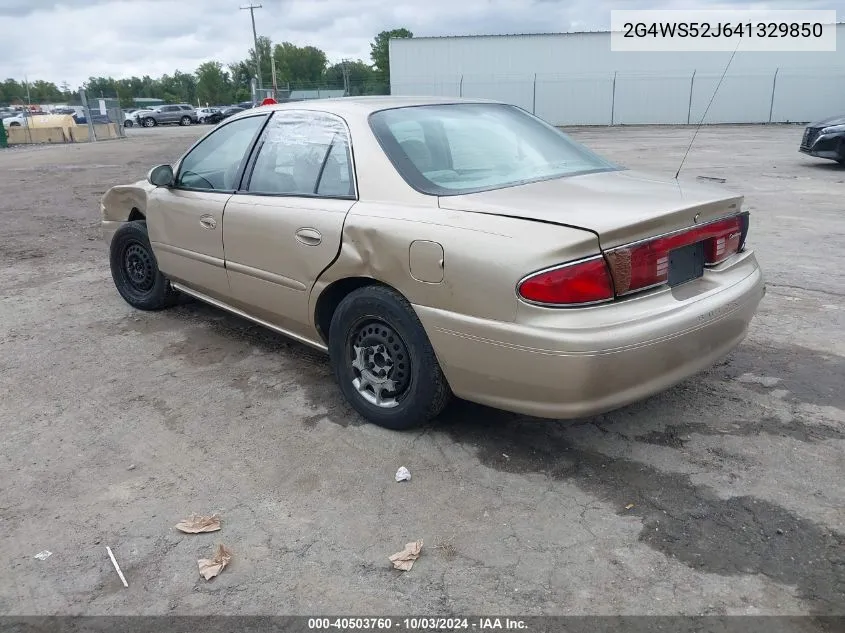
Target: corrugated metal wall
<point>575,79</point>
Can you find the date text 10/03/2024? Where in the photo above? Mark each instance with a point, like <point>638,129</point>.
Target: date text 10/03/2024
<point>416,624</point>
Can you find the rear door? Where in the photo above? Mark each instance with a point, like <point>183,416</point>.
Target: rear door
<point>283,228</point>
<point>170,114</point>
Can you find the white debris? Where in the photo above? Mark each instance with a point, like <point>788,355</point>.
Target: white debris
<point>117,567</point>
<point>44,554</point>
<point>403,474</point>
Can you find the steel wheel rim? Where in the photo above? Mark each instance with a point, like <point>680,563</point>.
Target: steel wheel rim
<point>379,362</point>
<point>138,267</point>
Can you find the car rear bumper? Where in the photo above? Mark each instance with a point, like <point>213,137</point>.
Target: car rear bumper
<point>570,372</point>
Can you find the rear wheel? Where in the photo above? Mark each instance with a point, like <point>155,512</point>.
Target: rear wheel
<point>185,120</point>
<point>383,360</point>
<point>135,271</point>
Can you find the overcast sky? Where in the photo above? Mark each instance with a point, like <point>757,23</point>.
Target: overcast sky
<point>72,40</point>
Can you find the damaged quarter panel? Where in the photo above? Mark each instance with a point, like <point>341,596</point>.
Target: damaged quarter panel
<point>481,266</point>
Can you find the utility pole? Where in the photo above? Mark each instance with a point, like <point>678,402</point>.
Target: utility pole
<point>252,7</point>
<point>273,70</point>
<point>345,77</point>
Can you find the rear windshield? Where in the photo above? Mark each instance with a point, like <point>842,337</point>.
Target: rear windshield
<point>453,149</point>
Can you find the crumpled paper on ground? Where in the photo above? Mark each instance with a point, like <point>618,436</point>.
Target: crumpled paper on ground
<point>404,560</point>
<point>403,474</point>
<point>211,567</point>
<point>195,524</point>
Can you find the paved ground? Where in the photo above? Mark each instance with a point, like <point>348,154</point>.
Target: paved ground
<point>118,423</point>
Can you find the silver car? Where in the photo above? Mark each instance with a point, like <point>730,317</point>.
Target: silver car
<point>181,113</point>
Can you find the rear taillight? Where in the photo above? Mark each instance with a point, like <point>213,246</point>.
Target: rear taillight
<point>646,264</point>
<point>578,283</point>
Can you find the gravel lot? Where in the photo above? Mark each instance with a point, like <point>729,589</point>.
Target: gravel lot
<point>118,423</point>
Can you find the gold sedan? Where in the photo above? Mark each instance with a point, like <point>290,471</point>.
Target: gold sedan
<point>436,247</point>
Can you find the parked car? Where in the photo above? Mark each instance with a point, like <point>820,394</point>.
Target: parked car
<point>96,117</point>
<point>129,117</point>
<point>825,139</point>
<point>181,113</point>
<point>467,248</point>
<point>21,117</point>
<point>245,105</point>
<point>230,111</point>
<point>209,115</point>
<point>66,110</point>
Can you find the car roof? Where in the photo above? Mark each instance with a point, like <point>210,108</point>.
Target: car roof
<point>363,106</point>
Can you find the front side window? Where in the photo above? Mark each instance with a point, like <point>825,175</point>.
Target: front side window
<point>453,149</point>
<point>215,163</point>
<point>303,154</point>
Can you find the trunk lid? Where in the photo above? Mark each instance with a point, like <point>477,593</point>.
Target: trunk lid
<point>620,207</point>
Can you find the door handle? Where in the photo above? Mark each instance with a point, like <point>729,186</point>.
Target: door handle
<point>309,237</point>
<point>208,222</point>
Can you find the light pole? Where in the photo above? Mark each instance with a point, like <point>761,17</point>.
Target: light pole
<point>252,7</point>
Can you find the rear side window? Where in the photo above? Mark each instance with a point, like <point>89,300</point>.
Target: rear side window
<point>452,149</point>
<point>303,154</point>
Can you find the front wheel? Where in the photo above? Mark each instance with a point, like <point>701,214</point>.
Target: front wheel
<point>149,122</point>
<point>135,271</point>
<point>383,360</point>
<point>128,124</point>
<point>185,120</point>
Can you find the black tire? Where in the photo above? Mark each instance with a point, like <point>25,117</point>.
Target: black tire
<point>135,271</point>
<point>185,120</point>
<point>379,317</point>
<point>128,124</point>
<point>149,122</point>
<point>14,124</point>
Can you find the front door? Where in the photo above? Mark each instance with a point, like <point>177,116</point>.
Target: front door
<point>283,228</point>
<point>185,221</point>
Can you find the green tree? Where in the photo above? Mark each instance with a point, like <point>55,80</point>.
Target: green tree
<point>302,67</point>
<point>213,85</point>
<point>360,76</point>
<point>12,92</point>
<point>240,75</point>
<point>100,87</point>
<point>265,47</point>
<point>380,50</point>
<point>44,92</point>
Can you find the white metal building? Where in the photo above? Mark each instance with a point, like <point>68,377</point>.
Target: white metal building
<point>575,79</point>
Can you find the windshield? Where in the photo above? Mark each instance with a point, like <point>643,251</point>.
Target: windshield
<point>461,148</point>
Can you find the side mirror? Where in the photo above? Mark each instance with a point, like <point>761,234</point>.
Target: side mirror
<point>161,176</point>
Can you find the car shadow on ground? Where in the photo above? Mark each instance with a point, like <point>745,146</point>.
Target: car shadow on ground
<point>687,522</point>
